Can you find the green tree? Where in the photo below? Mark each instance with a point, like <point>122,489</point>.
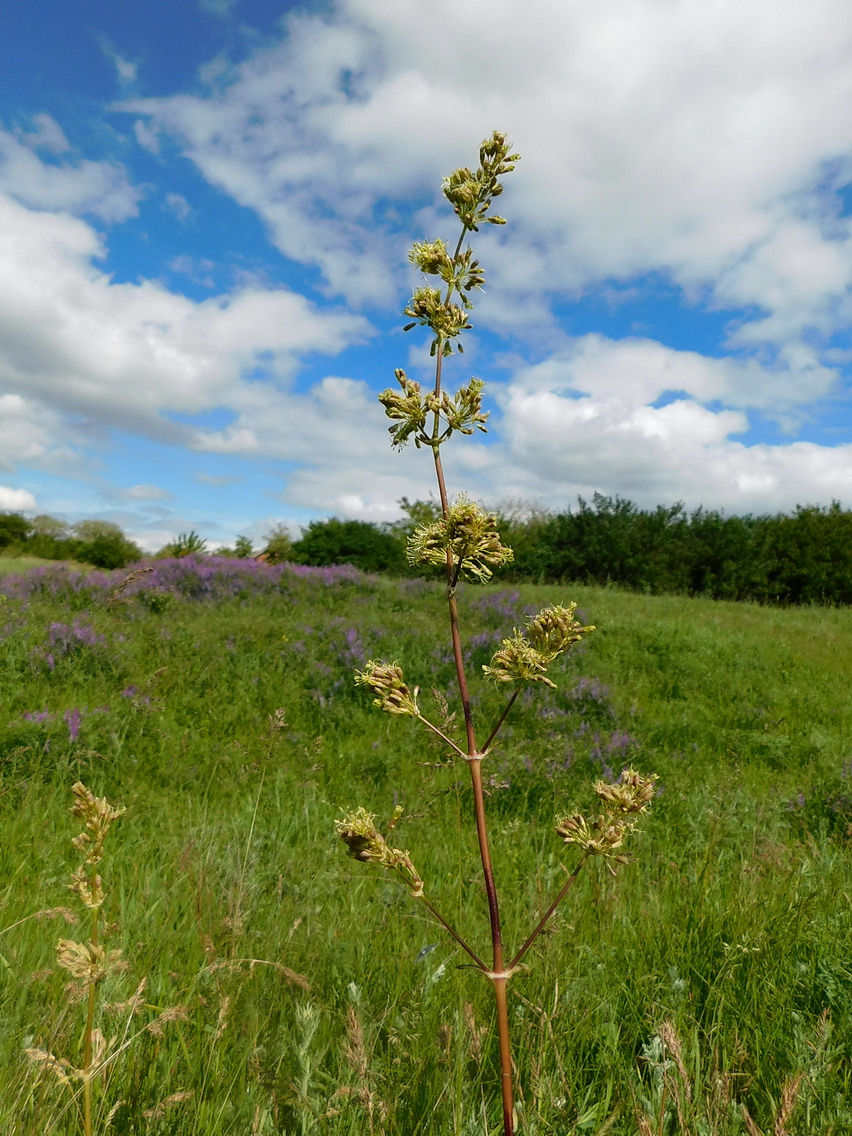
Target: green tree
<point>359,543</point>
<point>279,545</point>
<point>14,529</point>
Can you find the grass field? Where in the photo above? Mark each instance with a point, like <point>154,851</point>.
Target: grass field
<point>310,995</point>
<point>12,564</point>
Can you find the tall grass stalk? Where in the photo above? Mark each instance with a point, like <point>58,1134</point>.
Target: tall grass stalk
<point>464,541</point>
<point>88,963</point>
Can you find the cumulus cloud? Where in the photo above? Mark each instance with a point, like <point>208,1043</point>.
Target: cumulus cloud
<point>705,141</point>
<point>38,169</point>
<point>636,418</point>
<point>147,493</point>
<point>128,355</point>
<point>709,144</point>
<point>16,499</point>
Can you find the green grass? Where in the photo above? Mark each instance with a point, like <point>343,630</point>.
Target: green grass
<point>14,564</point>
<point>733,921</point>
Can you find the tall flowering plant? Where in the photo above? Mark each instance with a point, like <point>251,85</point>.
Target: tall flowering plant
<point>464,541</point>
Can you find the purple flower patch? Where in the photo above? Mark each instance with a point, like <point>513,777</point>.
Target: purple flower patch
<point>68,640</point>
<point>72,720</point>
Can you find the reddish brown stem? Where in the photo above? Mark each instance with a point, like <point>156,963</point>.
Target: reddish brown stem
<point>474,760</point>
<point>501,720</point>
<point>455,935</point>
<point>542,923</point>
<point>442,735</point>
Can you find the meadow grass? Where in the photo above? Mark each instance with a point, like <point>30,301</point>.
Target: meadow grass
<point>317,1000</point>
<point>10,564</point>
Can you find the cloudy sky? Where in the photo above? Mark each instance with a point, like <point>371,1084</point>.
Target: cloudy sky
<point>205,210</point>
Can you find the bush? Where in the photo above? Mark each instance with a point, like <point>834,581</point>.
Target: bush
<point>14,529</point>
<point>108,550</point>
<point>359,543</point>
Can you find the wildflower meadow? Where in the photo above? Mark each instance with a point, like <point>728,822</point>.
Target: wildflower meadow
<point>264,985</point>
<point>601,840</point>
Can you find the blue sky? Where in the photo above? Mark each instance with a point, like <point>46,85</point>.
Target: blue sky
<point>205,209</point>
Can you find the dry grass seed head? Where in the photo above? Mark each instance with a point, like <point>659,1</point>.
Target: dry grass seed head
<point>171,1014</point>
<point>159,1110</point>
<point>63,1070</point>
<point>789,1097</point>
<point>99,815</point>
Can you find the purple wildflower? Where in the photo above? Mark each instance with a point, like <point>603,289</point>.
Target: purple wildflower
<point>38,716</point>
<point>73,718</point>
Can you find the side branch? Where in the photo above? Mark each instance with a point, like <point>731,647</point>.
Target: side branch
<point>455,935</point>
<point>542,923</point>
<point>501,719</point>
<point>442,735</point>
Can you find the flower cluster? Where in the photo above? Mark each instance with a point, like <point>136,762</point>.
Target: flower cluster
<point>410,408</point>
<point>465,538</point>
<point>429,309</point>
<point>207,578</point>
<point>364,842</point>
<point>462,273</point>
<point>622,803</point>
<point>471,194</point>
<point>387,682</point>
<point>526,655</point>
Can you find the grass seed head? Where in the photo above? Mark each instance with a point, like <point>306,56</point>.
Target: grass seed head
<point>87,962</point>
<point>63,1070</point>
<point>99,815</point>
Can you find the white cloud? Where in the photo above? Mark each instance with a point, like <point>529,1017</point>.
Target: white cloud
<point>147,493</point>
<point>219,8</point>
<point>74,185</point>
<point>217,480</point>
<point>708,143</point>
<point>178,205</point>
<point>126,355</point>
<point>14,500</point>
<point>704,141</point>
<point>632,417</point>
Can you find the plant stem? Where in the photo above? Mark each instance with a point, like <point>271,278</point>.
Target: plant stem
<point>501,720</point>
<point>455,935</point>
<point>474,761</point>
<point>87,1039</point>
<point>442,735</point>
<point>544,919</point>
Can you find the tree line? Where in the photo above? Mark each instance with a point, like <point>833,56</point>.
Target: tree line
<point>784,558</point>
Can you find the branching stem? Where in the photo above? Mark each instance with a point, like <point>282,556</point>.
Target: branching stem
<point>87,1037</point>
<point>542,923</point>
<point>475,765</point>
<point>455,935</point>
<point>442,735</point>
<point>501,719</point>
